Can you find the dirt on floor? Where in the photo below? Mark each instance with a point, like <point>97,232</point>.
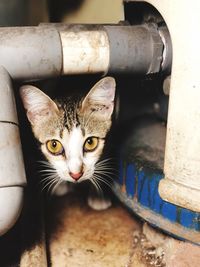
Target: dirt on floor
<point>65,232</point>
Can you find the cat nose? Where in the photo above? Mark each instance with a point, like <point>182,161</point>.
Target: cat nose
<point>76,176</point>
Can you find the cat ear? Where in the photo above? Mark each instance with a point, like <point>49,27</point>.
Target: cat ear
<point>38,105</point>
<point>100,98</point>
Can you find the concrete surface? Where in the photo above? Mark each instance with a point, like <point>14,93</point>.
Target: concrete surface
<point>67,233</point>
<point>79,236</point>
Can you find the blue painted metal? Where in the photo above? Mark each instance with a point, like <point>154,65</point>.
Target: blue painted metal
<point>137,187</point>
<point>142,185</point>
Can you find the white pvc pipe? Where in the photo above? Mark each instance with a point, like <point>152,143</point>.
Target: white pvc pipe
<point>12,173</point>
<point>181,184</point>
<point>85,51</point>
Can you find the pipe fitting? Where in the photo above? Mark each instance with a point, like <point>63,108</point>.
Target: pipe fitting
<point>134,49</point>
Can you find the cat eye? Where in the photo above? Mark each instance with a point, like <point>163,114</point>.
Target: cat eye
<point>90,144</point>
<point>55,147</point>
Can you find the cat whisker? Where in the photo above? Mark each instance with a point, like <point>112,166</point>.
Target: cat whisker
<point>49,183</point>
<point>111,159</point>
<point>43,181</point>
<point>106,166</point>
<point>48,178</point>
<point>60,181</point>
<point>51,187</point>
<point>108,172</point>
<point>48,171</point>
<point>100,179</point>
<point>49,174</point>
<point>110,176</point>
<point>97,186</point>
<point>45,163</point>
<point>94,184</point>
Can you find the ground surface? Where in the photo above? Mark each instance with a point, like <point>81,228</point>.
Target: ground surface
<point>65,232</point>
<point>80,236</point>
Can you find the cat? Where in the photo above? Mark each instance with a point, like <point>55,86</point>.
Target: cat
<point>72,134</point>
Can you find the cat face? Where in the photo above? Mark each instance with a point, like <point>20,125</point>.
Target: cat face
<point>72,133</point>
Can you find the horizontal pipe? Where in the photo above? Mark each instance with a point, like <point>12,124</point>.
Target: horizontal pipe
<point>113,48</point>
<point>85,49</point>
<point>134,49</point>
<point>32,53</point>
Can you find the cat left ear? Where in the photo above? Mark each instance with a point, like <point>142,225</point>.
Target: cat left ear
<point>38,105</point>
<point>100,98</point>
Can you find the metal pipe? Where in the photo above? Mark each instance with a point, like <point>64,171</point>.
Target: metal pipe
<point>12,174</point>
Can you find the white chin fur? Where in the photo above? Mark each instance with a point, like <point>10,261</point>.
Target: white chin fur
<point>63,189</point>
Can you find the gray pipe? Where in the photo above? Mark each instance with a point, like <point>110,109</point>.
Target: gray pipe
<point>131,49</point>
<point>134,49</point>
<point>12,174</point>
<point>32,53</point>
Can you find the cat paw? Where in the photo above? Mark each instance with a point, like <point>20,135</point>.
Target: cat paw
<point>97,203</point>
<point>63,189</point>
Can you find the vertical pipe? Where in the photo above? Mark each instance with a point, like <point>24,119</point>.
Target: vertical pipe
<point>12,174</point>
<point>181,184</point>
<point>182,157</point>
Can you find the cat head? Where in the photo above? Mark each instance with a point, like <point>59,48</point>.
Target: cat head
<point>71,133</point>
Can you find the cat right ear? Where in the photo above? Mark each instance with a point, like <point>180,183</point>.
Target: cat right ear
<point>38,105</point>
